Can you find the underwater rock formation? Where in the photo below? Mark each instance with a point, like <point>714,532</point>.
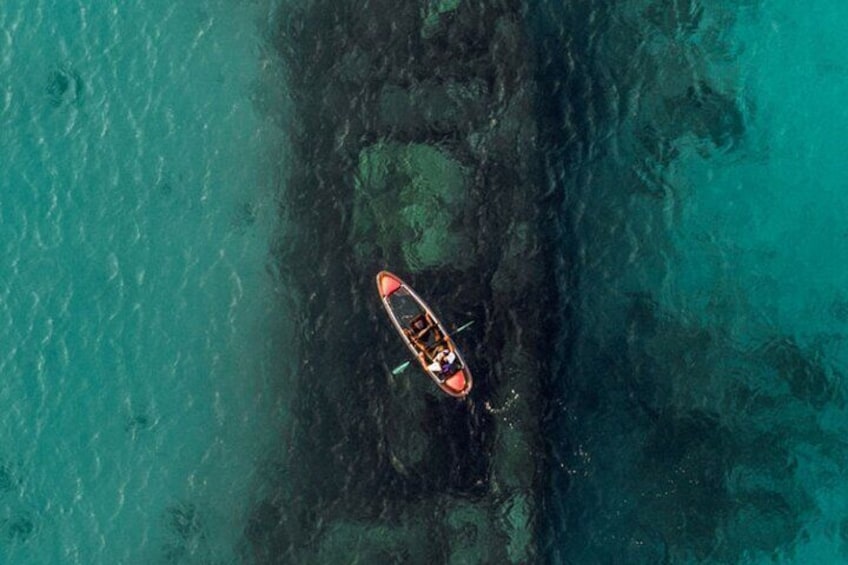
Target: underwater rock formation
<point>18,529</point>
<point>676,441</point>
<point>435,11</point>
<point>708,434</point>
<point>409,207</point>
<point>474,534</point>
<point>64,86</point>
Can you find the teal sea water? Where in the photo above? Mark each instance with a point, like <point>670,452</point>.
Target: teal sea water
<point>702,408</point>
<point>149,343</point>
<point>142,340</point>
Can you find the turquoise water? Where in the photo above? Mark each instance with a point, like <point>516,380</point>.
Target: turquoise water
<point>148,340</point>
<point>141,337</point>
<point>765,223</point>
<point>703,410</point>
<point>764,232</point>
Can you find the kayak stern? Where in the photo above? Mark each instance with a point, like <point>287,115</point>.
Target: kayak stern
<point>456,384</point>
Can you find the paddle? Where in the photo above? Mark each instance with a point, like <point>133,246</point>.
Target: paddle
<point>402,367</point>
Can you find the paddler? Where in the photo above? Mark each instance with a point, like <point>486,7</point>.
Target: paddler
<point>443,363</point>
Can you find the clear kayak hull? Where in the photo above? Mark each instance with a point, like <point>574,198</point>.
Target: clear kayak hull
<point>424,335</point>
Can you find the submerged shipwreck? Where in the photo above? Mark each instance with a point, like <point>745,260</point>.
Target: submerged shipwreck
<point>413,146</point>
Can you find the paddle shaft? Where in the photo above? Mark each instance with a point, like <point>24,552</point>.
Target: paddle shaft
<point>402,367</point>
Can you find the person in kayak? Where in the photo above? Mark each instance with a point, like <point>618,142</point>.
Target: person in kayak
<point>443,363</point>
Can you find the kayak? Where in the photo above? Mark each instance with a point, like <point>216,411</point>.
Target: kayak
<point>424,335</point>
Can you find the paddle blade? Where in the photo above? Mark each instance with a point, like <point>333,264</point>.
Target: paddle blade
<point>463,326</point>
<point>400,368</point>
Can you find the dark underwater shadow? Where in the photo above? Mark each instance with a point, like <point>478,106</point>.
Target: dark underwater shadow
<point>667,440</point>
<point>382,466</point>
